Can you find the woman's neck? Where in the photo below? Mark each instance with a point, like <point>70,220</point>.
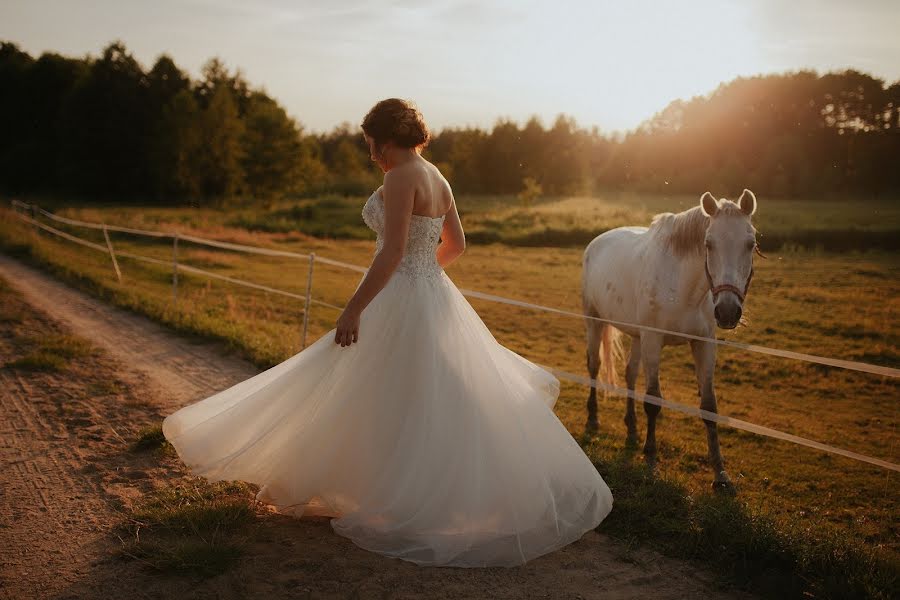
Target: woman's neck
<point>401,156</point>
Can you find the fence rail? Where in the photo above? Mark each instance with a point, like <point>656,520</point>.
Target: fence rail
<point>308,300</point>
<point>789,354</point>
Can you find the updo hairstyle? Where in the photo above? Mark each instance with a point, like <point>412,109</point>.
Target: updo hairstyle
<point>398,121</point>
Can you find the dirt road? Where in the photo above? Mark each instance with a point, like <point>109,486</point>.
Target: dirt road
<point>66,476</point>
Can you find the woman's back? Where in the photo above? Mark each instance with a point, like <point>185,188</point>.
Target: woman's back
<point>433,196</point>
<point>423,236</point>
<point>421,190</point>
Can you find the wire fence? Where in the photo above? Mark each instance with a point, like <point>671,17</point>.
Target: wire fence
<point>29,213</point>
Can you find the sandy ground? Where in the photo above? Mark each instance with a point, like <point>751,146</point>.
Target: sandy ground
<point>67,479</point>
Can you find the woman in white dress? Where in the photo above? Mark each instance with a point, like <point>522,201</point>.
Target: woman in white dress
<point>409,423</point>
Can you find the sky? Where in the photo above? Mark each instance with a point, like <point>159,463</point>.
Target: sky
<point>610,64</point>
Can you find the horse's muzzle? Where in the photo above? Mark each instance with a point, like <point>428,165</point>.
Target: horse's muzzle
<point>727,311</point>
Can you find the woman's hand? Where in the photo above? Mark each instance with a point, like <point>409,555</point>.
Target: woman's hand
<point>347,327</point>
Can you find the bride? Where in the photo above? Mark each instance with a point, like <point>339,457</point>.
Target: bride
<point>409,424</point>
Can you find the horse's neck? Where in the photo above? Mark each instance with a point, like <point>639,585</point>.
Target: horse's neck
<point>692,278</point>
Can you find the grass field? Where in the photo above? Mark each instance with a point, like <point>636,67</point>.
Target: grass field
<point>841,305</point>
<point>832,225</point>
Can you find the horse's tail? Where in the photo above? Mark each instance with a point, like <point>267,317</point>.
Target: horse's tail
<point>611,353</point>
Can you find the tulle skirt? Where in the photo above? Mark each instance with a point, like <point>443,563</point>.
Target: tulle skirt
<point>427,440</point>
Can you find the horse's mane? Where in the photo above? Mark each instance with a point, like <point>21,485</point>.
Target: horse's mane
<point>684,232</point>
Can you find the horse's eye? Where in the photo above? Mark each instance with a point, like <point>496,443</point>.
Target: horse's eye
<point>751,245</point>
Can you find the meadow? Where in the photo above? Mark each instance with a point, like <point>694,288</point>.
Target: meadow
<point>829,287</point>
<point>845,224</point>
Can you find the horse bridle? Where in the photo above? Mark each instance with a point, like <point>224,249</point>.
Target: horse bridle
<point>727,287</point>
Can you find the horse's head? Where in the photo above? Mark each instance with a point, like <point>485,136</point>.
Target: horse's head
<point>730,243</point>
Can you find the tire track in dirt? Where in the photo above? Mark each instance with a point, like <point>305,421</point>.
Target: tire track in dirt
<point>53,500</point>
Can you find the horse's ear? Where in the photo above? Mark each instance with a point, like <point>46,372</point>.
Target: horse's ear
<point>747,202</point>
<point>708,204</point>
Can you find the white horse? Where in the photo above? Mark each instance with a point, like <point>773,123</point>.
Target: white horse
<point>687,272</point>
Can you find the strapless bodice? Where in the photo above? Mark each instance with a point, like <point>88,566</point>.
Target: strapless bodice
<point>420,259</point>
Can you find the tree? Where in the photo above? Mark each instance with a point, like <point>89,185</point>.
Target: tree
<point>176,149</point>
<point>105,127</point>
<point>216,76</point>
<point>220,156</point>
<point>273,151</point>
<point>173,131</point>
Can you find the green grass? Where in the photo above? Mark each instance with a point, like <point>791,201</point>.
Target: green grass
<point>196,528</point>
<point>50,353</point>
<point>328,216</point>
<point>185,556</point>
<point>38,361</point>
<point>744,547</point>
<point>777,219</point>
<point>202,508</point>
<point>852,223</point>
<point>150,438</point>
<point>64,345</point>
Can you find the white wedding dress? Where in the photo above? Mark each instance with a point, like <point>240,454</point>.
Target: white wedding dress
<point>426,440</point>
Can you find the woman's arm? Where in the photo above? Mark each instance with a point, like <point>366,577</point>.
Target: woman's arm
<point>453,239</point>
<point>398,194</point>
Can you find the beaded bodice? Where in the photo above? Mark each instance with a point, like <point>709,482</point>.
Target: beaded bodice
<point>420,259</point>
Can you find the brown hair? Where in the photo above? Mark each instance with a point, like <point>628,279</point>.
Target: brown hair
<point>396,120</point>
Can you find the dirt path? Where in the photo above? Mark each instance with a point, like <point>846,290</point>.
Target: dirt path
<point>187,369</point>
<point>66,476</point>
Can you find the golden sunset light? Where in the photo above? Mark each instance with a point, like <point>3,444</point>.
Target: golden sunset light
<point>463,299</point>
<point>609,64</point>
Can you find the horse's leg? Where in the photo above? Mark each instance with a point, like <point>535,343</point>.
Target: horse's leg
<point>651,351</point>
<point>594,335</point>
<point>631,375</point>
<point>705,364</point>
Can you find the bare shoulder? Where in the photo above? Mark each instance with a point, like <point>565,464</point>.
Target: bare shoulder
<point>434,176</point>
<point>399,177</point>
<point>399,192</point>
<point>419,174</point>
<point>434,170</point>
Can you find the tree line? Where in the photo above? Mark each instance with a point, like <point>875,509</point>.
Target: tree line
<point>104,128</point>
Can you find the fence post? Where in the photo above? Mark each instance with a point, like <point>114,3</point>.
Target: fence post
<point>112,255</point>
<point>306,307</point>
<point>175,270</point>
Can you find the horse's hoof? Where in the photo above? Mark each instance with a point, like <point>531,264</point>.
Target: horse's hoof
<point>724,487</point>
<point>591,427</point>
<point>632,442</point>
